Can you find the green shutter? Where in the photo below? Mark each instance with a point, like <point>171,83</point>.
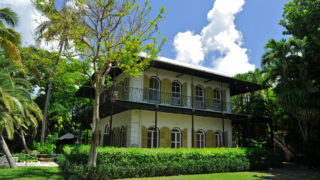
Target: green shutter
<point>185,138</point>
<point>164,137</point>
<point>144,137</point>
<point>224,99</point>
<point>208,97</point>
<point>226,139</point>
<point>185,94</point>
<point>120,90</point>
<point>166,91</point>
<point>194,95</point>
<point>214,140</point>
<point>117,137</point>
<point>146,83</point>
<point>125,136</point>
<point>209,139</point>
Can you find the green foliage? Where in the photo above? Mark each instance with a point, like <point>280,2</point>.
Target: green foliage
<point>49,146</point>
<point>137,162</point>
<point>26,157</point>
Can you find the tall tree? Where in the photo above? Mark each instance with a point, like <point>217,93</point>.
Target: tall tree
<point>9,38</point>
<point>111,34</point>
<point>52,30</point>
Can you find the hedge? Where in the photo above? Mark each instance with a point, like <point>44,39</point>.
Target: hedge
<point>140,162</point>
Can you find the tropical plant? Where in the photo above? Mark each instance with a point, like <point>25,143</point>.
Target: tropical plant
<point>17,110</point>
<point>9,38</point>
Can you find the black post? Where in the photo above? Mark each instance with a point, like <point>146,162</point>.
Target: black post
<point>192,114</point>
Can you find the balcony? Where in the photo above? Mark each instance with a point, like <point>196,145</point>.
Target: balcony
<point>153,96</point>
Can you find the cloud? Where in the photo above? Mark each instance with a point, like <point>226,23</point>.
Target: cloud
<point>220,37</point>
<point>29,19</point>
<point>189,47</point>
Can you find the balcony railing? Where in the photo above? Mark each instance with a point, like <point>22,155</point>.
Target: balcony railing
<point>153,96</point>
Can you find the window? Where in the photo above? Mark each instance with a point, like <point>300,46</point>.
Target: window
<point>176,93</point>
<point>217,99</point>
<point>153,138</point>
<point>175,138</point>
<point>154,90</point>
<point>106,136</point>
<point>200,139</point>
<point>199,97</point>
<point>219,139</point>
<point>122,137</point>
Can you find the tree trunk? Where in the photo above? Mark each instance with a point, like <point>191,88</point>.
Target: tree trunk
<point>7,153</point>
<point>24,141</point>
<point>48,94</point>
<point>92,161</point>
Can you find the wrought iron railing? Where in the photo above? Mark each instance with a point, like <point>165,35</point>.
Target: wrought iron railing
<point>153,96</point>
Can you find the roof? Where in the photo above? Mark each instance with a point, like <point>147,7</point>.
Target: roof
<point>236,86</point>
<point>66,136</point>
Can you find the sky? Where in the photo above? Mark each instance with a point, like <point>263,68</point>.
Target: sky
<point>224,35</point>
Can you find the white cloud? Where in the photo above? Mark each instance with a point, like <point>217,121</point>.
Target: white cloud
<point>220,36</point>
<point>189,47</point>
<point>29,19</point>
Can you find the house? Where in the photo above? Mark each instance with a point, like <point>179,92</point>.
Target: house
<point>172,104</point>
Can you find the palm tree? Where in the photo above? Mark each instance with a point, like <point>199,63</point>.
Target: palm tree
<point>17,109</point>
<point>52,29</point>
<point>9,38</point>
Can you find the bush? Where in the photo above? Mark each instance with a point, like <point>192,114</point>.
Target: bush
<point>49,146</point>
<point>26,157</point>
<point>138,162</point>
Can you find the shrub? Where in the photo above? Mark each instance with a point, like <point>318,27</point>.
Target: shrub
<point>26,157</point>
<point>138,162</point>
<point>49,146</point>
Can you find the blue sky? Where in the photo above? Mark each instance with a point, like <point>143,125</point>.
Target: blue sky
<point>258,21</point>
<point>225,35</point>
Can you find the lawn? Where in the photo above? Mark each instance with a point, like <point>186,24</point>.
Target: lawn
<point>27,173</point>
<point>223,176</point>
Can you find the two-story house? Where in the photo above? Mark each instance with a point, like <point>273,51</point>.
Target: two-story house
<point>172,104</point>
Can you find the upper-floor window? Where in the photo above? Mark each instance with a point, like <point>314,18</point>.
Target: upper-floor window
<point>154,90</point>
<point>200,139</point>
<point>176,93</point>
<point>199,97</point>
<point>153,138</point>
<point>217,99</point>
<point>125,88</point>
<point>175,138</point>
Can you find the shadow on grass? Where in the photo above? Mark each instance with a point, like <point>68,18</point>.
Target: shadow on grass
<point>34,173</point>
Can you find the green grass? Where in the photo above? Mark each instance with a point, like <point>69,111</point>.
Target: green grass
<point>33,173</point>
<point>223,176</point>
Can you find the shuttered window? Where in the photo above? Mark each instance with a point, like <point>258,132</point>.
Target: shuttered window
<point>106,136</point>
<point>199,97</point>
<point>154,90</point>
<point>153,138</point>
<point>219,139</point>
<point>200,139</point>
<point>175,138</point>
<point>217,99</point>
<point>176,93</point>
<point>122,137</point>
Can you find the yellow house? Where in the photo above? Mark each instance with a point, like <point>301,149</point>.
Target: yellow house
<point>172,104</point>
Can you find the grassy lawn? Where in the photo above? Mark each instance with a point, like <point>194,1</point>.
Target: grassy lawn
<point>223,176</point>
<point>33,173</point>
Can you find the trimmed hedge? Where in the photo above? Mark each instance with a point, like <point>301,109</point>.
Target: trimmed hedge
<point>138,162</point>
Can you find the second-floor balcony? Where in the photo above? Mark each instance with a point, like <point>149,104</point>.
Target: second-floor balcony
<point>155,96</point>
